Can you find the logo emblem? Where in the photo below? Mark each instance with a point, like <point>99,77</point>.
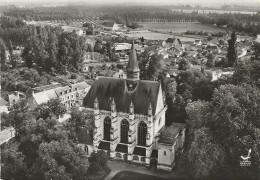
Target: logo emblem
<point>245,159</point>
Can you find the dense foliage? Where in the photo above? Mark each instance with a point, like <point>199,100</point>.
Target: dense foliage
<point>53,50</point>
<point>45,147</point>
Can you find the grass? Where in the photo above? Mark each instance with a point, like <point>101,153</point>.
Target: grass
<point>128,175</point>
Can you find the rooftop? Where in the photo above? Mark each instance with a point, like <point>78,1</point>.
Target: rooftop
<point>105,89</point>
<point>168,134</point>
<point>46,87</point>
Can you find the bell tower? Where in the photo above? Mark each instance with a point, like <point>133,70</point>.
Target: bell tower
<point>132,67</point>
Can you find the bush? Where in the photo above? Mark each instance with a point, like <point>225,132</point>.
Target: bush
<point>74,76</point>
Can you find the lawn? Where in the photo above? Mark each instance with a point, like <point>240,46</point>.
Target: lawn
<point>128,175</point>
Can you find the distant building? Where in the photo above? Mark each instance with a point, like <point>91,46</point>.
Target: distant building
<point>80,32</point>
<point>119,27</point>
<point>119,47</point>
<point>257,39</point>
<point>197,42</point>
<point>129,117</point>
<point>213,48</point>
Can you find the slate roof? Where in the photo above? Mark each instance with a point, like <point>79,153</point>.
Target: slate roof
<point>40,97</point>
<point>46,87</point>
<point>139,151</point>
<point>133,63</point>
<point>104,145</point>
<point>122,148</point>
<point>168,134</point>
<point>105,89</point>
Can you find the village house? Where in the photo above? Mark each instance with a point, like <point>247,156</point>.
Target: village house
<point>197,42</point>
<point>213,48</point>
<point>119,27</point>
<point>71,95</point>
<point>129,117</point>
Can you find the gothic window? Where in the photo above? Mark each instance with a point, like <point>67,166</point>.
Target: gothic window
<point>86,149</point>
<point>124,131</point>
<point>107,127</point>
<point>142,131</point>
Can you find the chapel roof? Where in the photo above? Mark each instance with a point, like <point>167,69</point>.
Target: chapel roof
<point>108,89</point>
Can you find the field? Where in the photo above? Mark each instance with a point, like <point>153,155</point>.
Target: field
<point>180,27</point>
<point>176,29</point>
<point>160,36</point>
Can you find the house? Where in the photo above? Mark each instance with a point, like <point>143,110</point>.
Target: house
<point>15,97</point>
<point>219,74</point>
<point>119,74</point>
<point>119,47</point>
<point>73,94</point>
<point>70,96</point>
<point>213,48</point>
<point>197,42</point>
<point>164,54</point>
<point>129,117</point>
<point>3,106</point>
<point>80,32</point>
<point>119,27</point>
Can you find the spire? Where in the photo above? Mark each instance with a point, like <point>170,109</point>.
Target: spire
<point>132,67</point>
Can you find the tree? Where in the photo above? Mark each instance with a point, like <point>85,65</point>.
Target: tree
<point>3,55</point>
<point>231,115</point>
<point>80,119</point>
<point>59,160</point>
<point>98,162</point>
<point>150,66</point>
<point>14,59</point>
<point>256,55</point>
<point>247,73</point>
<point>52,107</point>
<point>232,51</point>
<point>184,64</point>
<point>14,167</point>
<point>204,154</point>
<point>211,61</point>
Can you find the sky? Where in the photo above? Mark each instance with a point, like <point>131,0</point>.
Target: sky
<point>145,2</point>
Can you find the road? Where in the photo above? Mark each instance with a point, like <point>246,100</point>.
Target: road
<point>118,166</point>
<point>6,135</point>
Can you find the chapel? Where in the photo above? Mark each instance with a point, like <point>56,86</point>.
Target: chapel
<point>129,117</point>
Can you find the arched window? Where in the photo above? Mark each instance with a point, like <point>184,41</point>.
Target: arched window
<point>107,127</point>
<point>142,131</point>
<point>124,131</point>
<point>86,149</point>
